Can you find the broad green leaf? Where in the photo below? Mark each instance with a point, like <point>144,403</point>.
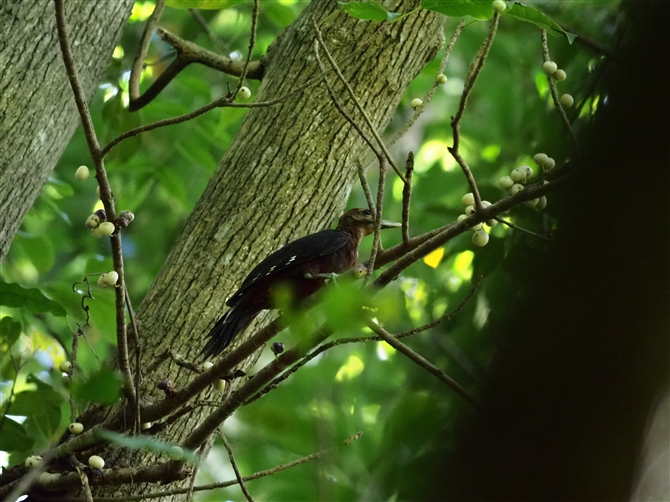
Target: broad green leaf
<point>532,15</point>
<point>202,4</point>
<point>10,330</point>
<point>32,299</point>
<point>147,443</point>
<point>102,387</point>
<point>39,250</point>
<point>13,436</point>
<point>368,11</point>
<point>479,9</point>
<point>42,408</point>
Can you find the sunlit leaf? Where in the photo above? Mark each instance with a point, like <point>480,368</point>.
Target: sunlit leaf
<point>13,436</point>
<point>102,387</point>
<point>434,258</point>
<point>351,369</point>
<point>10,330</point>
<point>32,299</point>
<point>479,9</point>
<point>534,16</point>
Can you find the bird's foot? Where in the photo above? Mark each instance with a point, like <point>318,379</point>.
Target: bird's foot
<point>332,276</point>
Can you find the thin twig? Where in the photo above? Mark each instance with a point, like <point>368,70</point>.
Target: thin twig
<point>366,187</point>
<point>337,71</point>
<point>521,229</point>
<point>138,62</point>
<point>431,91</point>
<point>212,36</point>
<point>138,360</point>
<point>252,43</point>
<point>240,479</point>
<point>105,195</point>
<point>424,363</point>
<point>376,244</point>
<point>407,196</point>
<point>73,371</point>
<point>554,92</point>
<point>475,69</point>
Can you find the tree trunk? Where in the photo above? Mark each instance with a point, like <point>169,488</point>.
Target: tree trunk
<point>287,173</point>
<point>37,111</point>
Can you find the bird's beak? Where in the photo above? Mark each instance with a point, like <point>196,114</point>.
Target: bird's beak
<point>390,224</point>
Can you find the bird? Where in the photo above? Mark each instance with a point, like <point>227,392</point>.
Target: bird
<point>303,265</point>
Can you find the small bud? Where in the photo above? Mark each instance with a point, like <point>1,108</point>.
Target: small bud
<point>146,425</point>
<point>82,173</point>
<point>469,210</point>
<point>33,461</point>
<point>125,217</point>
<point>102,282</point>
<point>176,453</point>
<point>528,170</point>
<point>206,365</point>
<point>567,100</point>
<point>96,462</point>
<point>540,159</point>
<point>559,75</point>
<point>277,348</point>
<point>468,199</point>
<point>75,428</point>
<point>416,103</point>
<point>518,174</point>
<point>106,228</point>
<point>480,238</point>
<point>111,278</point>
<point>505,182</point>
<point>65,367</point>
<point>549,67</point>
<point>244,93</point>
<point>499,6</point>
<point>516,188</point>
<point>491,223</point>
<point>441,78</point>
<point>219,385</point>
<point>92,221</point>
<point>541,203</point>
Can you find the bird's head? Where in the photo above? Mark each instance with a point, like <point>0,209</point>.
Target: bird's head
<point>363,220</point>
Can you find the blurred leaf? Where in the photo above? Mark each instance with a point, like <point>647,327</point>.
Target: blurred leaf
<point>103,387</point>
<point>38,249</point>
<point>202,4</point>
<point>147,443</point>
<point>42,408</point>
<point>13,295</point>
<point>479,9</point>
<point>534,16</point>
<point>368,11</point>
<point>117,120</point>
<point>10,330</point>
<point>13,436</point>
<point>344,307</point>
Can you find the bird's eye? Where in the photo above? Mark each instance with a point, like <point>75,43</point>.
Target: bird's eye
<point>366,212</point>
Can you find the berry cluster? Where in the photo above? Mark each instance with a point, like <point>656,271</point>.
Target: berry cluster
<point>480,237</point>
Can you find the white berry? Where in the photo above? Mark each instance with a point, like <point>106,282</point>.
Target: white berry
<point>416,103</point>
<point>549,164</point>
<point>528,171</point>
<point>532,202</point>
<point>478,226</point>
<point>541,203</point>
<point>505,182</point>
<point>106,228</point>
<point>206,365</point>
<point>549,67</point>
<point>461,217</point>
<point>491,223</point>
<point>102,282</point>
<point>469,210</point>
<point>441,78</point>
<point>146,425</point>
<point>96,462</point>
<point>92,221</point>
<point>480,238</point>
<point>486,203</point>
<point>97,190</point>
<point>244,93</point>
<point>560,75</point>
<point>468,199</point>
<point>82,173</point>
<point>111,278</point>
<point>75,428</point>
<point>33,461</point>
<point>499,6</point>
<point>567,100</point>
<point>65,366</point>
<point>219,385</point>
<point>518,174</point>
<point>176,453</point>
<point>516,188</point>
<point>540,158</point>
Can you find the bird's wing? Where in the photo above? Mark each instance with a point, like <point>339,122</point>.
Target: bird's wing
<point>294,253</point>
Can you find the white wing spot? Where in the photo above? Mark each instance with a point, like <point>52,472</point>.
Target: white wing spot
<point>271,269</point>
<point>292,259</point>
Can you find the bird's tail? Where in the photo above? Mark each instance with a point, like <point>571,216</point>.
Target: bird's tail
<point>225,329</point>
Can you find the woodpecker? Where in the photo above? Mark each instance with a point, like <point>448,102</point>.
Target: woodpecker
<point>302,265</point>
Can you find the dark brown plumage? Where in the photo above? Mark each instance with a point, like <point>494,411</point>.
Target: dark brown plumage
<point>300,265</point>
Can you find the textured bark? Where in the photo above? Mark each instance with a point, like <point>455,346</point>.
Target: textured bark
<point>287,173</point>
<point>37,111</point>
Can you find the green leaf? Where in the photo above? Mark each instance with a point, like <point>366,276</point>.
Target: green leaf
<point>102,387</point>
<point>32,299</point>
<point>479,9</point>
<point>146,443</point>
<point>10,330</point>
<point>534,16</point>
<point>13,436</point>
<point>368,11</point>
<point>202,4</point>
<point>39,250</point>
<point>42,408</point>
